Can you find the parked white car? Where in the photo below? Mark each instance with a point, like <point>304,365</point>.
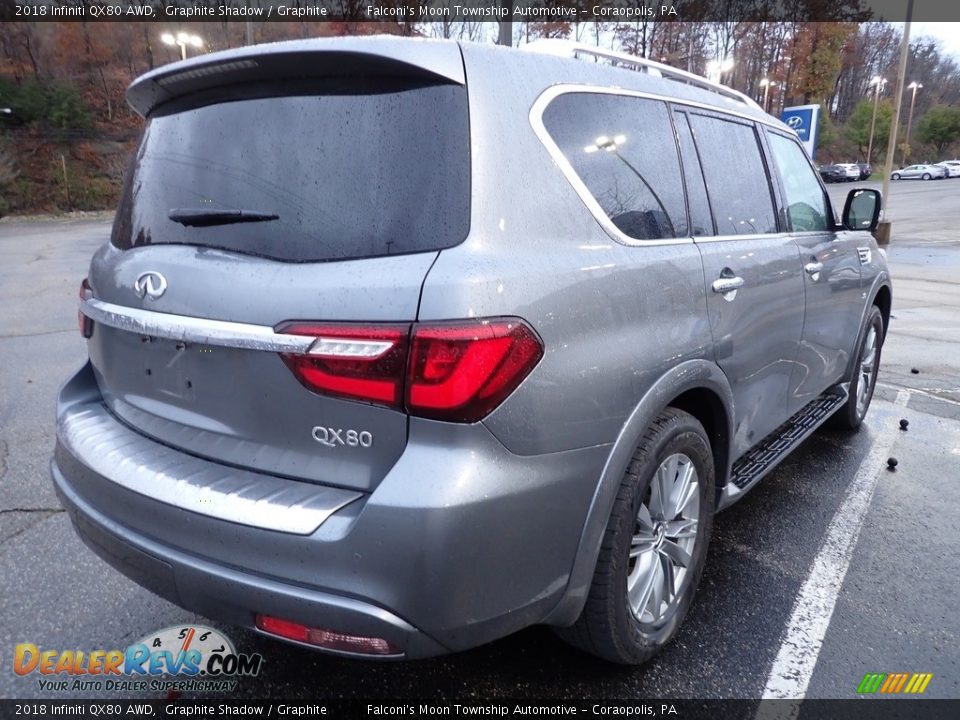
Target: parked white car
<point>852,170</point>
<point>952,167</point>
<point>917,172</point>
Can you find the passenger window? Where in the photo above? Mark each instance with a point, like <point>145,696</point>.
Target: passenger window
<point>736,176</point>
<point>700,217</point>
<point>807,205</point>
<point>623,149</point>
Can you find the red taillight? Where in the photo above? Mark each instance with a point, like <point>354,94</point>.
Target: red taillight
<point>85,324</point>
<point>458,371</point>
<point>357,362</point>
<point>329,639</point>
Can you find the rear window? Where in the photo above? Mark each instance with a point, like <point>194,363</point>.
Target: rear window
<point>350,169</point>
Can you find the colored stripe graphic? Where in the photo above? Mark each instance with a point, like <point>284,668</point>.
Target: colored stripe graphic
<point>894,683</point>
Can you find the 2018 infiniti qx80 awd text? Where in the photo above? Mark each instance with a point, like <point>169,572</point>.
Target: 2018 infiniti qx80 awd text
<point>400,346</point>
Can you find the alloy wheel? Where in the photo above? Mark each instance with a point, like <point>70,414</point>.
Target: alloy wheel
<point>663,541</point>
<point>868,370</point>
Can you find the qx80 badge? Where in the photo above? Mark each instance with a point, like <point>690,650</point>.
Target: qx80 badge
<point>332,437</point>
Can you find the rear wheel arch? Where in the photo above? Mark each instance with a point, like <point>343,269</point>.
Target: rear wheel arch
<point>708,407</point>
<point>698,384</point>
<point>884,300</point>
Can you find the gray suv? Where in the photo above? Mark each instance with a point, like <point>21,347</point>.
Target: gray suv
<point>400,346</point>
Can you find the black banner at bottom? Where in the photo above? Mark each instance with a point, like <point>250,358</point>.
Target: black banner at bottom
<point>646,709</point>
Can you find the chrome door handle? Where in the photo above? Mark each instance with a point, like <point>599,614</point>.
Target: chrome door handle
<point>813,268</point>
<point>726,285</point>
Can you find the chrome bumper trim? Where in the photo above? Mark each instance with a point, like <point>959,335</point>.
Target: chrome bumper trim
<point>112,450</point>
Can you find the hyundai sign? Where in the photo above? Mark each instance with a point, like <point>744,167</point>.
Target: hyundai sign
<point>803,120</point>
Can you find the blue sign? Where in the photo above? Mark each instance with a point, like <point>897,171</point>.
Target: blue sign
<point>803,120</point>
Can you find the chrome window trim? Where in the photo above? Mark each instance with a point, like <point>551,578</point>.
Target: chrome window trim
<point>536,122</point>
<point>194,330</point>
<point>741,238</point>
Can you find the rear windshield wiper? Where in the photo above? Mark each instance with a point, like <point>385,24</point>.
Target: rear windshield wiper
<point>203,217</point>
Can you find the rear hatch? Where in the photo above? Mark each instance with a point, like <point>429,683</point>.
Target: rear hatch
<point>258,212</point>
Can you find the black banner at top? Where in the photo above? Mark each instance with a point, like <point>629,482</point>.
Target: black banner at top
<point>476,10</point>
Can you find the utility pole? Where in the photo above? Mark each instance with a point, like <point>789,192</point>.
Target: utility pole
<point>883,230</point>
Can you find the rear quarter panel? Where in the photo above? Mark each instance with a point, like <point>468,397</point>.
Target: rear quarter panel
<point>613,318</point>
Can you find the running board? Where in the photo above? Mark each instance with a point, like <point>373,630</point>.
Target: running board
<point>761,459</point>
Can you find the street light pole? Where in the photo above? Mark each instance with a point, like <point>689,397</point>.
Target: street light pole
<point>913,98</point>
<point>878,82</point>
<point>766,84</point>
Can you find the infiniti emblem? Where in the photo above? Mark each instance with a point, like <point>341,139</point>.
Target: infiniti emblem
<point>150,284</point>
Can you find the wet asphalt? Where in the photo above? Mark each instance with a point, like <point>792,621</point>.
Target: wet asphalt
<point>896,611</point>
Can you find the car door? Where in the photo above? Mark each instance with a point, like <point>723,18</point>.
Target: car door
<point>831,274</point>
<point>754,282</point>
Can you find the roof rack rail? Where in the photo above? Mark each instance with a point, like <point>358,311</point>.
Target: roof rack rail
<point>569,48</point>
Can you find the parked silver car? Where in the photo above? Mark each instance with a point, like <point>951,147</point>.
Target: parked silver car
<point>918,172</point>
<point>400,346</point>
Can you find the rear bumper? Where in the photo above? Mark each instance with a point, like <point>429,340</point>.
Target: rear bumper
<point>460,544</point>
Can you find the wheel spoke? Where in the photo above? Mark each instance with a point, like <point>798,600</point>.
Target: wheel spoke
<point>656,596</point>
<point>644,521</point>
<point>638,592</point>
<point>674,552</point>
<point>640,544</point>
<point>669,578</point>
<point>686,490</point>
<point>681,529</point>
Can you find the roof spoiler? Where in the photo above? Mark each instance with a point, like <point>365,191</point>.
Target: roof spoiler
<point>299,59</point>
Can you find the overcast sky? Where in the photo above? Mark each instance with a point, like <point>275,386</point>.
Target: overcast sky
<point>948,33</point>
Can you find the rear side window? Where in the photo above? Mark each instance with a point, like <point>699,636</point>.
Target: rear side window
<point>736,176</point>
<point>700,218</point>
<point>354,169</point>
<point>623,150</point>
<point>806,203</point>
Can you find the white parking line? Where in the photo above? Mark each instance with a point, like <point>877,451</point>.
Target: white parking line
<point>791,672</point>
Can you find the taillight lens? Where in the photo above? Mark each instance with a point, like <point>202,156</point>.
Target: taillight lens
<point>456,371</point>
<point>356,362</point>
<point>83,322</point>
<point>462,371</point>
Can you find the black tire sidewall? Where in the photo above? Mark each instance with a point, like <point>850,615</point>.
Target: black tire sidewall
<point>854,418</point>
<point>683,435</point>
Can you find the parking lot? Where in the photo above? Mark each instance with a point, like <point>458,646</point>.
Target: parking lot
<point>893,576</point>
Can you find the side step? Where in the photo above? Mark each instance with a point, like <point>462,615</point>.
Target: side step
<point>762,458</point>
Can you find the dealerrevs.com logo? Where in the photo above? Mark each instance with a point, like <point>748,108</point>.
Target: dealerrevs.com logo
<point>181,658</point>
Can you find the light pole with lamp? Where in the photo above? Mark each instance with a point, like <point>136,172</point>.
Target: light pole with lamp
<point>766,84</point>
<point>877,82</point>
<point>716,68</point>
<point>612,145</point>
<point>913,98</point>
<point>182,39</point>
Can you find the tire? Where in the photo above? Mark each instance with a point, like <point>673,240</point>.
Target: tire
<point>926,176</point>
<point>608,627</point>
<point>896,176</point>
<point>851,413</point>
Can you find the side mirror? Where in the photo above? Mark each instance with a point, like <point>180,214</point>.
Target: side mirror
<point>862,210</point>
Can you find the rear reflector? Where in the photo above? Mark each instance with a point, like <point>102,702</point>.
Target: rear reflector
<point>328,639</point>
<point>454,371</point>
<point>83,322</point>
